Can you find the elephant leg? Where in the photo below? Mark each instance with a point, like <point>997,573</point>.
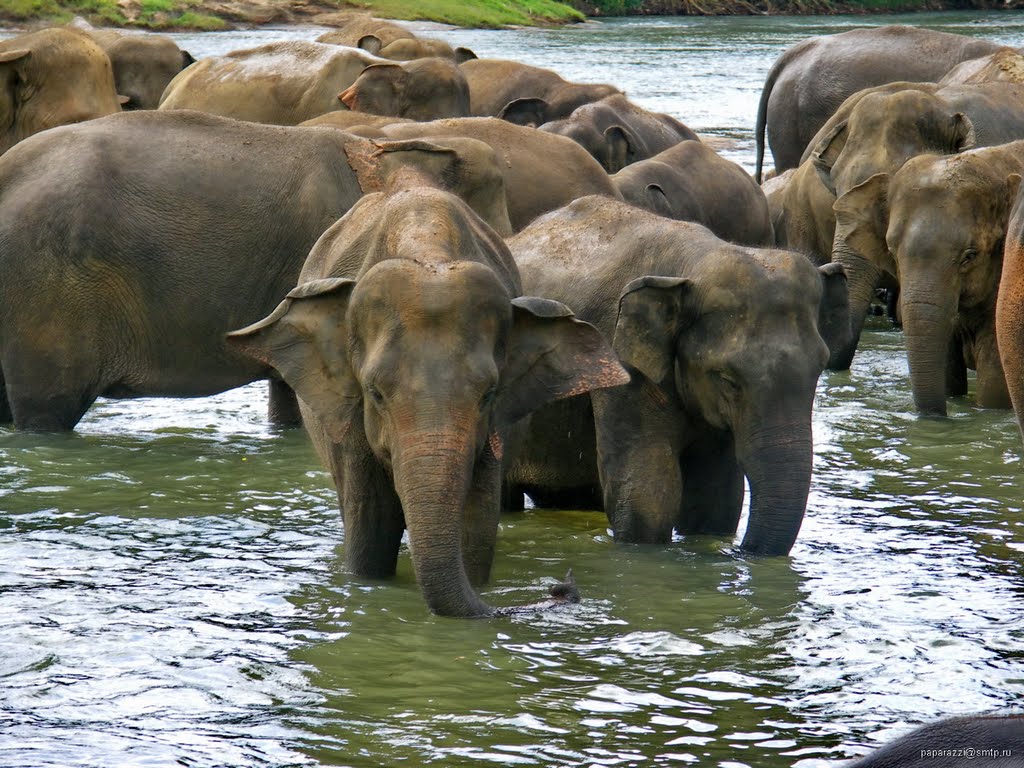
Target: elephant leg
<point>480,518</point>
<point>956,368</point>
<point>5,407</point>
<point>713,487</point>
<point>282,405</point>
<point>992,388</point>
<point>371,511</point>
<point>638,461</point>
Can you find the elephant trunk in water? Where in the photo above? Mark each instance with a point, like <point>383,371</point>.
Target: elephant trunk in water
<point>927,313</point>
<point>776,458</point>
<point>432,472</point>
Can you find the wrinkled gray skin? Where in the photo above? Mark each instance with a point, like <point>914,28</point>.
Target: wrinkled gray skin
<point>138,269</point>
<point>692,182</point>
<point>617,132</point>
<point>942,224</point>
<point>724,351</point>
<point>883,131</point>
<point>944,745</point>
<point>143,65</point>
<point>52,77</point>
<point>423,89</point>
<point>524,94</point>
<point>412,353</point>
<point>809,81</point>
<point>290,82</point>
<point>542,171</point>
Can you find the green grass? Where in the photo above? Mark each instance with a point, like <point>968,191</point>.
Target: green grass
<point>481,13</point>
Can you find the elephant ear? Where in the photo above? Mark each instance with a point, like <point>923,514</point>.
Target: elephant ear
<point>827,151</point>
<point>834,311</point>
<point>653,311</point>
<point>305,341</point>
<point>187,59</point>
<point>551,355</point>
<point>529,112</point>
<point>964,136</point>
<point>622,147</point>
<point>657,201</point>
<point>370,44</point>
<point>13,60</point>
<point>862,220</point>
<point>464,54</point>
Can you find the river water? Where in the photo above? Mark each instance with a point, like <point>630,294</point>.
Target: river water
<point>172,591</point>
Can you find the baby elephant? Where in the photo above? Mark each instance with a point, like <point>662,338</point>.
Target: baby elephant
<point>412,351</point>
<point>961,742</point>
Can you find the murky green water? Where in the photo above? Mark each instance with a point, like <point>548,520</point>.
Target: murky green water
<point>172,591</point>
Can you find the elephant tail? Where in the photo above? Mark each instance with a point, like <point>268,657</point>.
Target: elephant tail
<point>761,124</point>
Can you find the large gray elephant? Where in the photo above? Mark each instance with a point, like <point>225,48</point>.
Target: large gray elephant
<point>53,77</point>
<point>692,182</point>
<point>617,132</point>
<point>412,352</point>
<point>498,88</point>
<point>809,81</point>
<point>136,270</point>
<point>723,345</point>
<point>542,171</point>
<point>286,83</point>
<point>143,64</point>
<point>990,741</point>
<point>1010,310</point>
<point>882,132</point>
<point>941,222</point>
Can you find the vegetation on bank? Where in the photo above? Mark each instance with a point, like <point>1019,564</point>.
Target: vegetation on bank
<point>222,14</point>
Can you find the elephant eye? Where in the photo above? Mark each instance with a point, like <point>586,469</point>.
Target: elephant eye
<point>968,256</point>
<point>489,396</point>
<point>726,383</point>
<point>375,395</point>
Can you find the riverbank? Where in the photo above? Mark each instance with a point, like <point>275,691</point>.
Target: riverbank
<point>169,15</point>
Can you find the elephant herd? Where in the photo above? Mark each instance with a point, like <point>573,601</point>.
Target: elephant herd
<point>471,279</point>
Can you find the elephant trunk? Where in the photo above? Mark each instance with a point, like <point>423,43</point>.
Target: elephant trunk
<point>432,474</point>
<point>862,278</point>
<point>776,459</point>
<point>928,313</point>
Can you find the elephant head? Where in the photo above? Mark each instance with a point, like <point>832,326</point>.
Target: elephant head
<point>614,148</point>
<point>422,89</point>
<point>143,66</point>
<point>411,374</point>
<point>940,223</point>
<point>740,347</point>
<point>49,78</point>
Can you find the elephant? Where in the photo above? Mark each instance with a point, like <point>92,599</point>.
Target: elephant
<point>723,347</point>
<point>812,78</point>
<point>1005,64</point>
<point>992,741</point>
<point>886,129</point>
<point>617,132</point>
<point>392,41</point>
<point>422,89</point>
<point>692,182</point>
<point>143,64</point>
<point>286,83</point>
<point>413,352</point>
<point>941,222</point>
<point>542,171</point>
<point>54,77</point>
<point>1010,310</point>
<point>524,94</point>
<point>138,269</point>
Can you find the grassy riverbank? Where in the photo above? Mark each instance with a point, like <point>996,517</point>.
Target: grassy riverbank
<point>223,14</point>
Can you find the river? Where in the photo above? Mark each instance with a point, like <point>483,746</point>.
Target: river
<point>188,607</point>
